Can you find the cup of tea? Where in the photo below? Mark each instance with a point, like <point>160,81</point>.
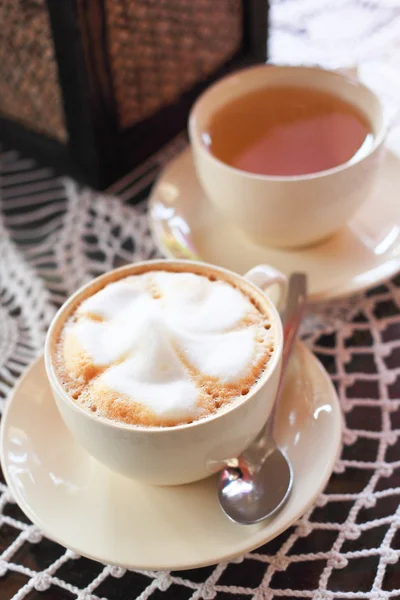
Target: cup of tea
<point>287,154</point>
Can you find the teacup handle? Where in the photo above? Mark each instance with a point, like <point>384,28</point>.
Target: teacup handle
<point>264,276</point>
<point>391,117</point>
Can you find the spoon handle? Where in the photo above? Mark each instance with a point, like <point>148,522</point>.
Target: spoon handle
<point>295,306</point>
<point>296,302</point>
<point>254,455</point>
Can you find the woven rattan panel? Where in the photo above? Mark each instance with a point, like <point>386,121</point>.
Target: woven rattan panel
<point>30,93</point>
<point>159,49</point>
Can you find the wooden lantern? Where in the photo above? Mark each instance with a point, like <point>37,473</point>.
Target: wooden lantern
<point>93,87</point>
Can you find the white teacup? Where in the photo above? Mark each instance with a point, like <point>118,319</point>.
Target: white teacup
<point>183,453</point>
<point>287,211</point>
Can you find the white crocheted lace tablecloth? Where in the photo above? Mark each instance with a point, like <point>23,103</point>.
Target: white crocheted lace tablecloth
<point>55,236</point>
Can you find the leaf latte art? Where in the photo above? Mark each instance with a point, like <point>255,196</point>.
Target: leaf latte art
<point>163,348</point>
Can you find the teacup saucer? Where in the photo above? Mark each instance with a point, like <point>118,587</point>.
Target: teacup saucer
<point>99,514</point>
<point>364,253</point>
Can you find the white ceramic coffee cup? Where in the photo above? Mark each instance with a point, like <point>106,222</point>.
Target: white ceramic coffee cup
<point>296,210</point>
<point>183,453</point>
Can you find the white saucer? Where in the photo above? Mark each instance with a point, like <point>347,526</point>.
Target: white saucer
<point>367,251</point>
<point>84,506</point>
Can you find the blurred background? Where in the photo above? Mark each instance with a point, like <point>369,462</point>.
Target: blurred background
<point>96,87</point>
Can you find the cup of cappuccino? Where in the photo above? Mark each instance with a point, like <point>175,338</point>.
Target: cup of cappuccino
<point>287,154</point>
<point>164,369</point>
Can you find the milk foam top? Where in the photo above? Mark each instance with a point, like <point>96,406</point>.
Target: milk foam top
<point>163,348</point>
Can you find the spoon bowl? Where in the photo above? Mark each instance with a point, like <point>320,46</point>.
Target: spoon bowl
<point>252,496</point>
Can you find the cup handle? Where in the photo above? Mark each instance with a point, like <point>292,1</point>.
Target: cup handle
<point>264,276</point>
<point>391,117</point>
<point>350,71</point>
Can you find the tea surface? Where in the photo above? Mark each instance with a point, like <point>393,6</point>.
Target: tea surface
<point>287,131</point>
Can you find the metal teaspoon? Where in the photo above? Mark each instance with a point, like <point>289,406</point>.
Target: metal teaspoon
<point>260,480</point>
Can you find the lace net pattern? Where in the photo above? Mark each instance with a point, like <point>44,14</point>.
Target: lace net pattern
<point>54,236</point>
